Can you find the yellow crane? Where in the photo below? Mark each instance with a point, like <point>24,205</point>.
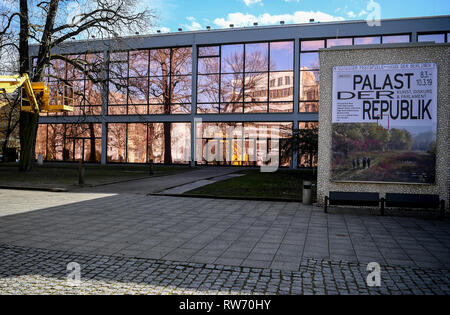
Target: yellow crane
<point>35,96</point>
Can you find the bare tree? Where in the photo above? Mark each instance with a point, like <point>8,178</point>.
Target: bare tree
<point>50,24</point>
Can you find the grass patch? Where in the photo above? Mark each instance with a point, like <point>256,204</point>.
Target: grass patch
<point>283,184</point>
<point>65,175</point>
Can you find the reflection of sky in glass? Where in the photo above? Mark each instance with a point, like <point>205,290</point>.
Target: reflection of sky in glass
<point>395,39</point>
<point>256,57</point>
<point>208,65</point>
<point>367,40</point>
<point>159,62</point>
<point>208,51</point>
<point>312,45</point>
<point>231,88</point>
<point>208,88</point>
<point>309,61</point>
<point>437,38</point>
<point>281,56</point>
<point>339,42</point>
<point>138,63</point>
<point>232,58</point>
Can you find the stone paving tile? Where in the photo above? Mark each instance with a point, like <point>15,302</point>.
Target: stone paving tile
<point>41,271</point>
<point>209,229</point>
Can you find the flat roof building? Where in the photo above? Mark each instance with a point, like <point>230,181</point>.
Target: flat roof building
<point>140,98</point>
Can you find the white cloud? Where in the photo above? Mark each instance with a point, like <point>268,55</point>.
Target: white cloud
<point>351,14</point>
<point>193,26</point>
<point>240,19</point>
<point>251,2</point>
<point>363,12</point>
<point>164,29</point>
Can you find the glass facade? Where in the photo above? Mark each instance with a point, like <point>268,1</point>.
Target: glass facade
<point>76,77</point>
<point>149,82</point>
<point>165,143</point>
<point>69,142</point>
<point>435,37</point>
<point>246,78</point>
<point>241,144</point>
<point>143,99</point>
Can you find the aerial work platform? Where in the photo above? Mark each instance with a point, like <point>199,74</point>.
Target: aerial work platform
<point>35,96</point>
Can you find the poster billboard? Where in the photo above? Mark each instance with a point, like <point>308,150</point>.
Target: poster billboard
<point>384,123</point>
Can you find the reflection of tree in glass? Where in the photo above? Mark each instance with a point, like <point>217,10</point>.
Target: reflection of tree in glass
<point>234,86</point>
<point>171,86</point>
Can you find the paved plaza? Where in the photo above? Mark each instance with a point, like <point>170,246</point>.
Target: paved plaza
<point>188,245</point>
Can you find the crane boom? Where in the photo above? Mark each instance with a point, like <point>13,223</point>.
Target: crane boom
<point>34,96</point>
<point>9,84</point>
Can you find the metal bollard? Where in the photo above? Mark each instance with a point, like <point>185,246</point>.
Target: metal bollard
<point>81,173</point>
<point>307,193</point>
<point>40,159</point>
<point>150,168</point>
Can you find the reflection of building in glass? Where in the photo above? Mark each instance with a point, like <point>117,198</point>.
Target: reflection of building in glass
<point>138,100</point>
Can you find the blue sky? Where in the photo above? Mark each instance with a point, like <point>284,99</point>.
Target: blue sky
<point>197,14</point>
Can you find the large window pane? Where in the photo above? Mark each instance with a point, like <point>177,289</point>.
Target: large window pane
<point>437,38</point>
<point>117,135</point>
<point>156,142</point>
<point>76,72</point>
<point>181,143</point>
<point>367,40</point>
<point>57,70</point>
<point>137,143</point>
<point>139,63</point>
<point>55,142</point>
<point>281,107</point>
<point>209,108</point>
<point>309,107</point>
<point>229,108</point>
<point>256,87</point>
<point>256,57</point>
<point>281,86</point>
<point>118,65</point>
<point>232,87</point>
<point>159,62</point>
<point>208,89</point>
<point>181,89</point>
<point>312,45</point>
<point>281,56</point>
<point>41,141</point>
<point>159,90</point>
<point>181,61</point>
<point>307,159</point>
<point>137,91</point>
<point>208,65</point>
<point>309,85</point>
<point>208,51</point>
<point>396,39</point>
<point>309,61</point>
<point>93,93</point>
<point>180,109</point>
<point>339,42</point>
<point>232,58</point>
<point>118,93</point>
<point>95,65</point>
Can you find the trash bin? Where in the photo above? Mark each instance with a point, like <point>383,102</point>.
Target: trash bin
<point>307,193</point>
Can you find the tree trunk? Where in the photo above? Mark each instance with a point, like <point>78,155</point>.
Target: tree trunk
<point>29,121</point>
<point>167,144</point>
<point>93,155</point>
<point>26,119</point>
<point>5,146</point>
